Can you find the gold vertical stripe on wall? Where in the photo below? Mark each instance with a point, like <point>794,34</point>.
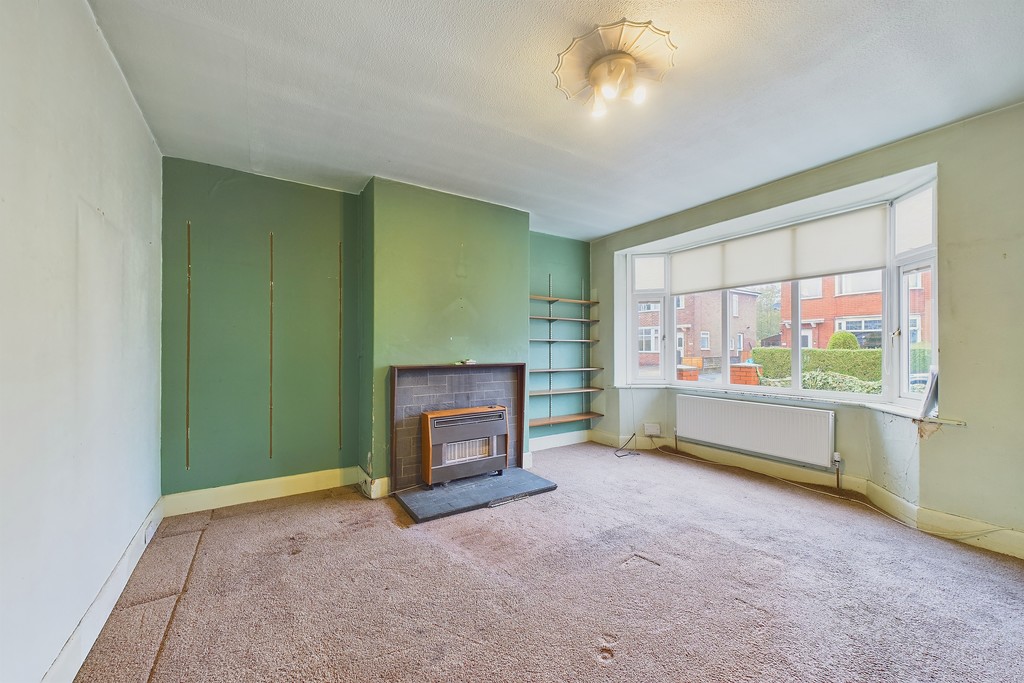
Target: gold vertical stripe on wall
<point>188,335</point>
<point>271,451</point>
<point>340,317</point>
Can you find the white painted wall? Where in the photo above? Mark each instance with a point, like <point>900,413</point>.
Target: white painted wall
<point>975,471</point>
<point>80,192</point>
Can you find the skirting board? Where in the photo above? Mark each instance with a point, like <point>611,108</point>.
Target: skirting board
<point>540,443</point>
<point>971,531</point>
<point>372,488</point>
<point>772,468</point>
<point>71,657</point>
<point>252,491</point>
<point>944,525</point>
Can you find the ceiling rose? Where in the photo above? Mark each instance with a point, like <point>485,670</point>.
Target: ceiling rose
<point>613,62</point>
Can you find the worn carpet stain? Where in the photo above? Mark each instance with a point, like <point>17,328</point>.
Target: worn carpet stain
<point>641,569</point>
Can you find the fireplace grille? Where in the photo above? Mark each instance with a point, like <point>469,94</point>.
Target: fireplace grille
<point>464,442</point>
<point>459,451</point>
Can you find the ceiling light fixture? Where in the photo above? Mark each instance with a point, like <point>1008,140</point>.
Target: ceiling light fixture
<point>607,63</point>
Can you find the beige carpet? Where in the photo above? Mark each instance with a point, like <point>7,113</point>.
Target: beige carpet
<point>647,568</point>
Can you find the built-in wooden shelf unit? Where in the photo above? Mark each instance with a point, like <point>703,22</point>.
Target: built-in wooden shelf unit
<point>565,318</point>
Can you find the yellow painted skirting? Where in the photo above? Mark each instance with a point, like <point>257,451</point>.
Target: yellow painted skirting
<point>251,491</point>
<point>373,488</point>
<point>889,502</point>
<point>971,531</point>
<point>772,468</point>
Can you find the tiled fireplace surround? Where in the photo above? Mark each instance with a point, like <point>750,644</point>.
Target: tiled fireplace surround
<point>419,388</point>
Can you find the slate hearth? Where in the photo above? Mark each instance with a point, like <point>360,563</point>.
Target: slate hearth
<point>419,388</point>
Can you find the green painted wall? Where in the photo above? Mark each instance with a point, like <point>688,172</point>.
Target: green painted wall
<point>357,324</point>
<point>362,299</point>
<point>450,281</point>
<point>567,262</point>
<point>232,216</point>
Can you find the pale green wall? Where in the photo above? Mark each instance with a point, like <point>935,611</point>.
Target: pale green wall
<point>232,215</point>
<point>79,334</point>
<point>974,471</point>
<point>567,261</point>
<point>450,281</point>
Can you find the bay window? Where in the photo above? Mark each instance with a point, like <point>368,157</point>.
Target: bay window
<point>842,304</point>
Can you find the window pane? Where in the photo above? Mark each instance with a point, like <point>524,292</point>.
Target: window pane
<point>918,331</point>
<point>914,220</point>
<point>648,272</point>
<point>648,339</point>
<point>841,336</point>
<point>742,332</point>
<point>698,326</point>
<point>859,283</point>
<point>767,346</point>
<point>810,289</point>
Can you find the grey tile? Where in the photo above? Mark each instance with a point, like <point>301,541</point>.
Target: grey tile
<point>411,378</point>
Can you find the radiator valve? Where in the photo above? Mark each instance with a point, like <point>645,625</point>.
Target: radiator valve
<point>836,459</point>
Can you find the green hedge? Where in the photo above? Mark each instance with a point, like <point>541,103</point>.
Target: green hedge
<point>843,340</point>
<point>828,381</point>
<point>920,359</point>
<point>862,364</point>
<point>775,362</point>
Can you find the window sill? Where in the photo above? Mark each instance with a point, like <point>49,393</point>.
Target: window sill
<point>807,401</point>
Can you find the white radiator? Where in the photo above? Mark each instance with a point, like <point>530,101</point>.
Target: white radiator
<point>803,435</point>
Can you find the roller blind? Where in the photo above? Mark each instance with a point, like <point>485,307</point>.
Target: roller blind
<point>843,243</point>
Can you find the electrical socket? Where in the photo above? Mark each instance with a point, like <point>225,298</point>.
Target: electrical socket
<point>652,429</point>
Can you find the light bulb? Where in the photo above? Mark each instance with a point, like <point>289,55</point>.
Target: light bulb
<point>600,108</point>
<point>610,90</point>
<point>638,95</point>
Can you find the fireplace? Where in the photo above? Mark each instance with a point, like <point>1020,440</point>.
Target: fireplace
<point>464,442</point>
<point>417,389</point>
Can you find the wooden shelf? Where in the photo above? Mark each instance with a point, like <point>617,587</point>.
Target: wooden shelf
<point>567,370</point>
<point>578,385</point>
<point>574,320</point>
<point>555,299</point>
<point>558,392</point>
<point>561,419</point>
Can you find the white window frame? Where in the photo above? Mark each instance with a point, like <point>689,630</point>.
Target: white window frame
<point>888,189</point>
<point>705,340</point>
<point>911,261</point>
<point>659,297</point>
<point>735,305</point>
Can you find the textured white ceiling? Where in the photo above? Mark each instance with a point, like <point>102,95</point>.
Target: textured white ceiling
<point>458,95</point>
